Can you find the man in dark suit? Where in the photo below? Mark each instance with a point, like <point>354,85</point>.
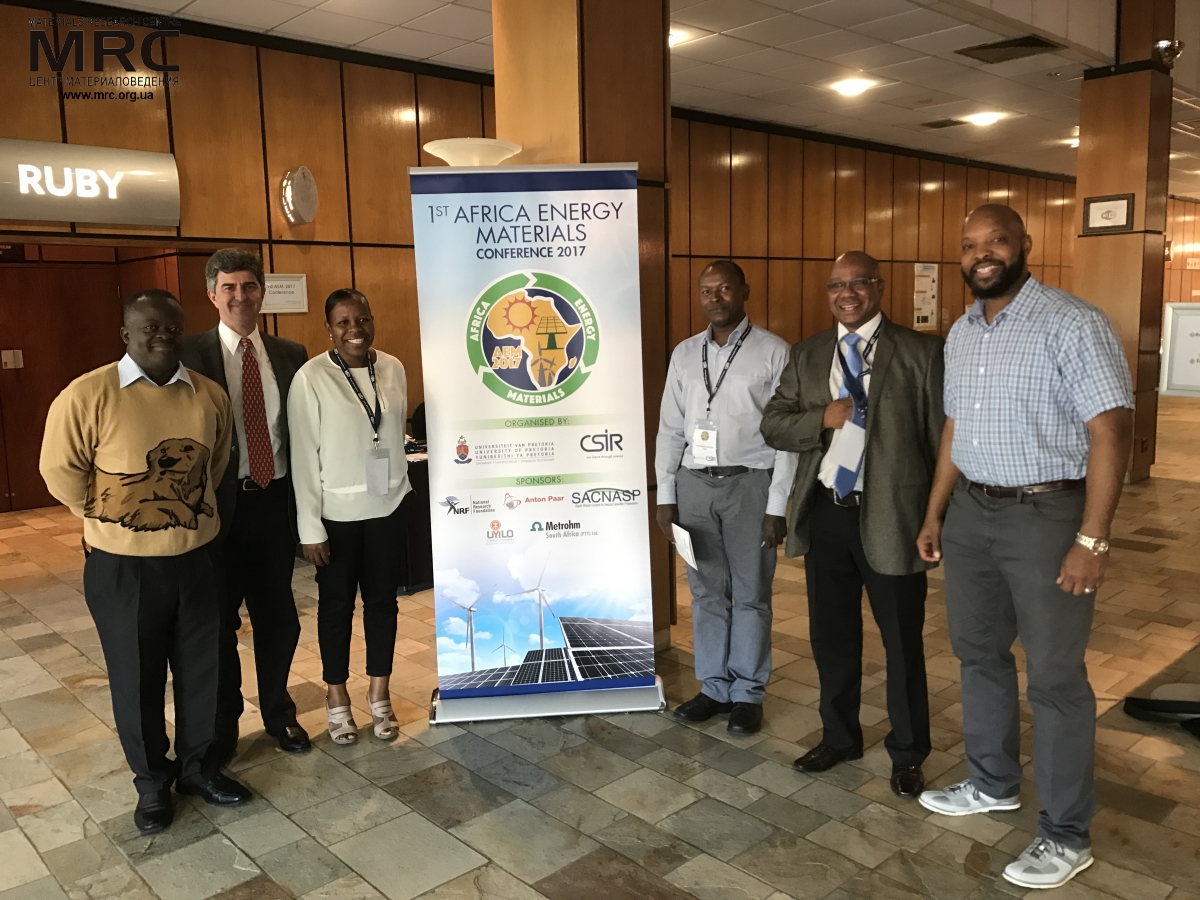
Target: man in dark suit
<point>862,405</point>
<point>256,550</point>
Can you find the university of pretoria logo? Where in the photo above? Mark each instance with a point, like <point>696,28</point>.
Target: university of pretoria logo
<point>533,338</point>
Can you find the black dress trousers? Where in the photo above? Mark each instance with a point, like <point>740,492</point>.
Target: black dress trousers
<point>837,570</point>
<point>255,556</point>
<point>153,612</point>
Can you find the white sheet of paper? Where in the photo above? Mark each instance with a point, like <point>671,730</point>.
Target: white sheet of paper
<point>683,543</point>
<point>378,475</point>
<point>849,448</point>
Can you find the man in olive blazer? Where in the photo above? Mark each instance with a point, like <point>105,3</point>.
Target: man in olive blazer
<point>856,508</point>
<point>256,550</point>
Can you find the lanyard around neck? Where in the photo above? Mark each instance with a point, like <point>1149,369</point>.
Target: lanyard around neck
<point>376,417</point>
<point>712,391</point>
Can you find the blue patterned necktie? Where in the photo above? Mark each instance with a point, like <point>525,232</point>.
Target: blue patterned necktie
<point>844,480</point>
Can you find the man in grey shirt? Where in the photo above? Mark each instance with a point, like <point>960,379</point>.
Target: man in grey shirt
<point>719,481</point>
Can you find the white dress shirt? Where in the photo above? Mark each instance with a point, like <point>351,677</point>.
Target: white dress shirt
<point>828,470</point>
<point>231,355</point>
<point>737,409</point>
<point>128,372</point>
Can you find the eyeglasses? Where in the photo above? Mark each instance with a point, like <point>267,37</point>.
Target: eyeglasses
<point>858,285</point>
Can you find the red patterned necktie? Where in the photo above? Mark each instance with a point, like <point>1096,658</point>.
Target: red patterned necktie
<point>254,416</point>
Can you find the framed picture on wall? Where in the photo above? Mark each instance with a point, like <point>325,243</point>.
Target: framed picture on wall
<point>1179,372</point>
<point>285,294</point>
<point>1108,215</point>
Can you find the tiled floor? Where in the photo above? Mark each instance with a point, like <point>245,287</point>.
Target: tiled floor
<point>627,806</point>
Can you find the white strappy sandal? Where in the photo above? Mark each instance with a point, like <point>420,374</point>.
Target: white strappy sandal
<point>342,729</point>
<point>386,727</point>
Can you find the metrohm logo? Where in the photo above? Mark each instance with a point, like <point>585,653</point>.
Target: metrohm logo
<point>73,51</point>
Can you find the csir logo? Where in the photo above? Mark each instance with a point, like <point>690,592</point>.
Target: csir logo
<point>601,443</point>
<point>40,44</point>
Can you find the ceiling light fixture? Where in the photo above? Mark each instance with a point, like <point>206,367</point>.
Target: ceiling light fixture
<point>852,87</point>
<point>675,37</point>
<point>984,118</point>
<point>1073,142</point>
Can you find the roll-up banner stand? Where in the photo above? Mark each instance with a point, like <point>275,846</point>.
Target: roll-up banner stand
<point>527,284</point>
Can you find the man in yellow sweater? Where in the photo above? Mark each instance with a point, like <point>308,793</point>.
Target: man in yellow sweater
<point>136,449</point>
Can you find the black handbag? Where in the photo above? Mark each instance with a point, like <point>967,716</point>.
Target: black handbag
<point>1185,713</point>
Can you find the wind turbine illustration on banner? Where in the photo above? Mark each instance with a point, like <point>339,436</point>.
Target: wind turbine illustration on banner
<point>470,625</point>
<point>504,647</point>
<point>543,604</point>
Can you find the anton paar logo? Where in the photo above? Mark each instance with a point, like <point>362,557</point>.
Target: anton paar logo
<point>605,496</point>
<point>511,502</point>
<point>454,508</point>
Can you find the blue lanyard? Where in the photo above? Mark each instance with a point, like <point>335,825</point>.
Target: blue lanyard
<point>374,418</point>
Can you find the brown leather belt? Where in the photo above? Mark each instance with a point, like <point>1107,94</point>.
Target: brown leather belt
<point>1016,493</point>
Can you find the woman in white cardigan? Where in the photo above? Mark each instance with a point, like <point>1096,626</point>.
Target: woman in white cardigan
<point>346,414</point>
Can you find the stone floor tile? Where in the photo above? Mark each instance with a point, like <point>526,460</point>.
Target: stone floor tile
<point>620,741</point>
<point>710,879</point>
<point>302,866</point>
<point>576,807</point>
<point>853,844</point>
<point>42,889</point>
<point>793,865</point>
<point>260,887</point>
<point>787,814</point>
<point>726,788</point>
<point>830,800</point>
<point>189,827</point>
<point>348,887</point>
<point>23,769</point>
<point>927,878</point>
<point>524,840</point>
<point>295,782</point>
<point>108,796</point>
<point>21,861</point>
<point>647,724</point>
<point>198,870</point>
<point>649,846</point>
<point>535,739</point>
<point>520,777</point>
<point>71,862</point>
<point>407,856</point>
<point>58,825</point>
<point>1147,849</point>
<point>489,882</point>
<point>782,780</point>
<point>716,828</point>
<point>589,765</point>
<point>400,758</point>
<point>351,813</point>
<point>261,833</point>
<point>11,743</point>
<point>448,794</point>
<point>25,801</point>
<point>729,759</point>
<point>895,827</point>
<point>609,875</point>
<point>471,751</point>
<point>684,740</point>
<point>672,764</point>
<point>972,858</point>
<point>648,795</point>
<point>119,882</point>
<point>85,765</point>
<point>21,676</point>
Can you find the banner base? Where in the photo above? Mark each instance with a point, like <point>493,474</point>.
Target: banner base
<point>559,703</point>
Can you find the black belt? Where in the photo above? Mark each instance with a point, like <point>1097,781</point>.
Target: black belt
<point>854,498</point>
<point>1016,493</point>
<point>722,471</point>
<point>249,484</point>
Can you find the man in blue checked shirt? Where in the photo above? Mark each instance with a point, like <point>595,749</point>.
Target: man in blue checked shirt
<point>1032,460</point>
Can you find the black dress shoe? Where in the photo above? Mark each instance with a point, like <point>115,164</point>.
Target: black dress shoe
<point>215,789</point>
<point>701,708</point>
<point>746,718</point>
<point>907,781</point>
<point>823,757</point>
<point>293,739</point>
<point>154,811</point>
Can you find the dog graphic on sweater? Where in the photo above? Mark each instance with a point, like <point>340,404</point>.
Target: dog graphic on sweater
<point>169,494</point>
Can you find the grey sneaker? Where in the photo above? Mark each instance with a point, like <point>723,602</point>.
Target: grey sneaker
<point>963,799</point>
<point>1047,864</point>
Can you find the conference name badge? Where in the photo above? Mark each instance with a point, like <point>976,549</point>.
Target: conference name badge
<point>378,471</point>
<point>704,443</point>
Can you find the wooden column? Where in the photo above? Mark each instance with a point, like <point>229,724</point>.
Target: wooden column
<point>587,81</point>
<point>1124,144</point>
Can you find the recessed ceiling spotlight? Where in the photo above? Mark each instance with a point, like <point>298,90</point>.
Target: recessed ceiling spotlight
<point>852,87</point>
<point>675,37</point>
<point>984,118</point>
<point>1073,142</point>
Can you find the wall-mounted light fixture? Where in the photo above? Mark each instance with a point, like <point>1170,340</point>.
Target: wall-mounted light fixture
<point>298,196</point>
<point>472,151</point>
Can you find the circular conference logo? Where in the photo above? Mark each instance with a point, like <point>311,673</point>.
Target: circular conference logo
<point>533,338</point>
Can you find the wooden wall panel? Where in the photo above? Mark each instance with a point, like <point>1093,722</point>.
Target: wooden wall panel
<point>30,112</point>
<point>710,189</point>
<point>381,143</point>
<point>388,278</point>
<point>785,199</point>
<point>906,203</point>
<point>655,292</point>
<point>1069,225</point>
<point>1035,219</point>
<point>849,199</point>
<point>681,238</point>
<point>784,304</point>
<point>1018,193</point>
<point>819,179</point>
<point>217,129</point>
<point>954,210</point>
<point>815,315</point>
<point>902,294</point>
<point>1055,224</point>
<point>977,188</point>
<point>302,112</point>
<point>930,210</point>
<point>748,193</point>
<point>877,237</point>
<point>698,321</point>
<point>997,186</point>
<point>327,268</point>
<point>447,109</point>
<point>682,298</point>
<point>756,278</point>
<point>489,111</point>
<point>199,313</point>
<point>77,253</point>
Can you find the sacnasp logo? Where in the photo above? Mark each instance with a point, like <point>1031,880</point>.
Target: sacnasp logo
<point>606,496</point>
<point>532,338</point>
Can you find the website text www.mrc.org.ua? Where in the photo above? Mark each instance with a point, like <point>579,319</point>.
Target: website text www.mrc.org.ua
<point>108,95</point>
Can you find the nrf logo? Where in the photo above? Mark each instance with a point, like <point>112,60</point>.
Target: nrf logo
<point>454,507</point>
<point>605,496</point>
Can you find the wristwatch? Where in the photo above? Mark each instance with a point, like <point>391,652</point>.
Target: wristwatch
<point>1096,545</point>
